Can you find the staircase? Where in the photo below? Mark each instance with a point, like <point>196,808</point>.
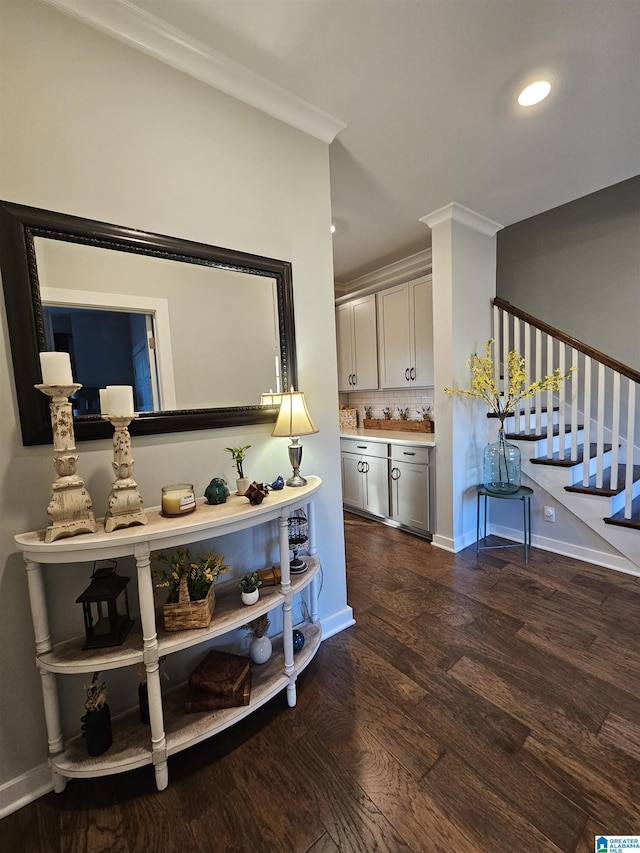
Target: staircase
<point>581,444</point>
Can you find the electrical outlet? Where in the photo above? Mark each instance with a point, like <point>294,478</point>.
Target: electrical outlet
<point>550,514</point>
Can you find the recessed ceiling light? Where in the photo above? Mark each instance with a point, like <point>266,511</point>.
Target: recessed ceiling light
<point>534,93</point>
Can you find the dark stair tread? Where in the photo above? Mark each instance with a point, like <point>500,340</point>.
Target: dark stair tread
<point>539,436</point>
<point>621,521</point>
<point>567,462</point>
<point>605,489</point>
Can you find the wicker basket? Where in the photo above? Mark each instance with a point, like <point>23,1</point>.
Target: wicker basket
<point>185,613</point>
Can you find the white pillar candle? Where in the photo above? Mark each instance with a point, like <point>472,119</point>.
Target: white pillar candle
<point>120,400</point>
<point>56,368</point>
<point>104,401</point>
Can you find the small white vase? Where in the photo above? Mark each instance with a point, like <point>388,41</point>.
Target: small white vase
<point>250,597</point>
<point>260,649</point>
<point>242,484</point>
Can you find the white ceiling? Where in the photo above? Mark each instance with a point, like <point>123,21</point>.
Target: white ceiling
<point>427,90</point>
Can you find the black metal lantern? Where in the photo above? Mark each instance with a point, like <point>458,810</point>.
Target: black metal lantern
<point>298,538</point>
<point>104,623</point>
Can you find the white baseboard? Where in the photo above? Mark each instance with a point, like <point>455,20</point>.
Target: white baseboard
<point>24,789</point>
<point>600,558</point>
<point>337,622</point>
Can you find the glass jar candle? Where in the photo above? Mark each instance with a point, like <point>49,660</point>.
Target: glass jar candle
<point>178,499</point>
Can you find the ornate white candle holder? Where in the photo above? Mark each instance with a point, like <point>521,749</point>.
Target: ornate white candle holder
<point>69,510</point>
<point>125,503</point>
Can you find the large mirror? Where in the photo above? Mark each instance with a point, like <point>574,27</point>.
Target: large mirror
<point>198,331</point>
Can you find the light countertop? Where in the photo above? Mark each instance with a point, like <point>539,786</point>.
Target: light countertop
<point>424,439</point>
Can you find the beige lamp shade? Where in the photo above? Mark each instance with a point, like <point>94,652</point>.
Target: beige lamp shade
<point>294,418</point>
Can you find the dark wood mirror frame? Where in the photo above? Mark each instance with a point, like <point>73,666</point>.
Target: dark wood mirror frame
<point>19,225</point>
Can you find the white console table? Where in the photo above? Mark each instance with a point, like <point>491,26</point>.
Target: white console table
<point>172,730</point>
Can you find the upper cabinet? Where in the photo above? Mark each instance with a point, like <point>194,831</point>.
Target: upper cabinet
<point>405,334</point>
<point>357,348</point>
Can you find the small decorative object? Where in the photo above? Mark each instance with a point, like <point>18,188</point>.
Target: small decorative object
<point>221,680</point>
<point>256,493</point>
<point>386,413</point>
<point>217,491</point>
<point>368,412</point>
<point>69,509</point>
<point>96,723</point>
<point>191,588</point>
<point>278,483</point>
<point>250,588</point>
<point>270,577</point>
<point>298,640</point>
<point>124,507</point>
<point>104,623</point>
<point>502,459</point>
<point>293,421</point>
<point>238,456</point>
<point>426,414</point>
<point>178,499</point>
<point>271,398</point>
<point>298,536</point>
<point>347,419</point>
<point>260,647</point>
<point>403,414</point>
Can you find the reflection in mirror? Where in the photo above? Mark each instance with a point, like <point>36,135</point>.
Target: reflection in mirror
<point>200,331</point>
<point>218,347</point>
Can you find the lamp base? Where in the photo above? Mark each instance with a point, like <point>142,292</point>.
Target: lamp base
<point>297,566</point>
<point>296,480</point>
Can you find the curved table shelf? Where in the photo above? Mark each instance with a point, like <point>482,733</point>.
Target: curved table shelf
<point>171,729</point>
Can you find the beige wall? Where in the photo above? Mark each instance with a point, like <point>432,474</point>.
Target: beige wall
<point>91,127</point>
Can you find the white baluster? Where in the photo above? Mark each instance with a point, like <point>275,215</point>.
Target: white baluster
<point>631,416</point>
<point>586,450</point>
<point>615,430</point>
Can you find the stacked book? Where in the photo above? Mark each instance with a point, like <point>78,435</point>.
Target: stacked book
<point>221,680</point>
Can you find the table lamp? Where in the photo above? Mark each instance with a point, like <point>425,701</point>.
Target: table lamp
<point>293,421</point>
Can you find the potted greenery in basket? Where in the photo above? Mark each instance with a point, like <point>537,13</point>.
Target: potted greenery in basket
<point>190,584</point>
<point>260,647</point>
<point>238,455</point>
<point>250,588</point>
<point>96,723</point>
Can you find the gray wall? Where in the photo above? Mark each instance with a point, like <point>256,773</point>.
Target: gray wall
<point>578,267</point>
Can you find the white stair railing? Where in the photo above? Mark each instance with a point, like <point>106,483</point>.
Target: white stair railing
<point>592,401</point>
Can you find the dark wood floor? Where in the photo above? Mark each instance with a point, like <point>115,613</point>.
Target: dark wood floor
<point>477,705</point>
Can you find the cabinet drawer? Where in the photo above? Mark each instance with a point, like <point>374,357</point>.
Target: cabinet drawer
<point>410,453</point>
<point>369,448</point>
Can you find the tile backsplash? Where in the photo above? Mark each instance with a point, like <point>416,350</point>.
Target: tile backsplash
<point>414,400</point>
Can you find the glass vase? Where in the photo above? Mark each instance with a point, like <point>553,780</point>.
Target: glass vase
<point>502,466</point>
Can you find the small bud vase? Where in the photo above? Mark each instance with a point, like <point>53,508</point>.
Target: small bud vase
<point>502,466</point>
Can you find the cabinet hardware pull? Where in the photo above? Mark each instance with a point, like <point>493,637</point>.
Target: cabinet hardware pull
<point>397,472</point>
<point>412,373</point>
<point>365,465</point>
<point>359,467</point>
<point>407,453</point>
<point>362,446</point>
<point>355,378</point>
<point>406,374</point>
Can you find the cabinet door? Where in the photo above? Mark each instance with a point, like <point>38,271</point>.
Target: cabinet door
<point>394,337</point>
<point>344,340</point>
<point>352,480</point>
<point>409,494</point>
<point>365,349</point>
<point>376,485</point>
<point>421,302</point>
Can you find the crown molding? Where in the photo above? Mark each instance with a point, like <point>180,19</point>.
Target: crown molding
<point>398,272</point>
<point>156,38</point>
<point>455,212</point>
